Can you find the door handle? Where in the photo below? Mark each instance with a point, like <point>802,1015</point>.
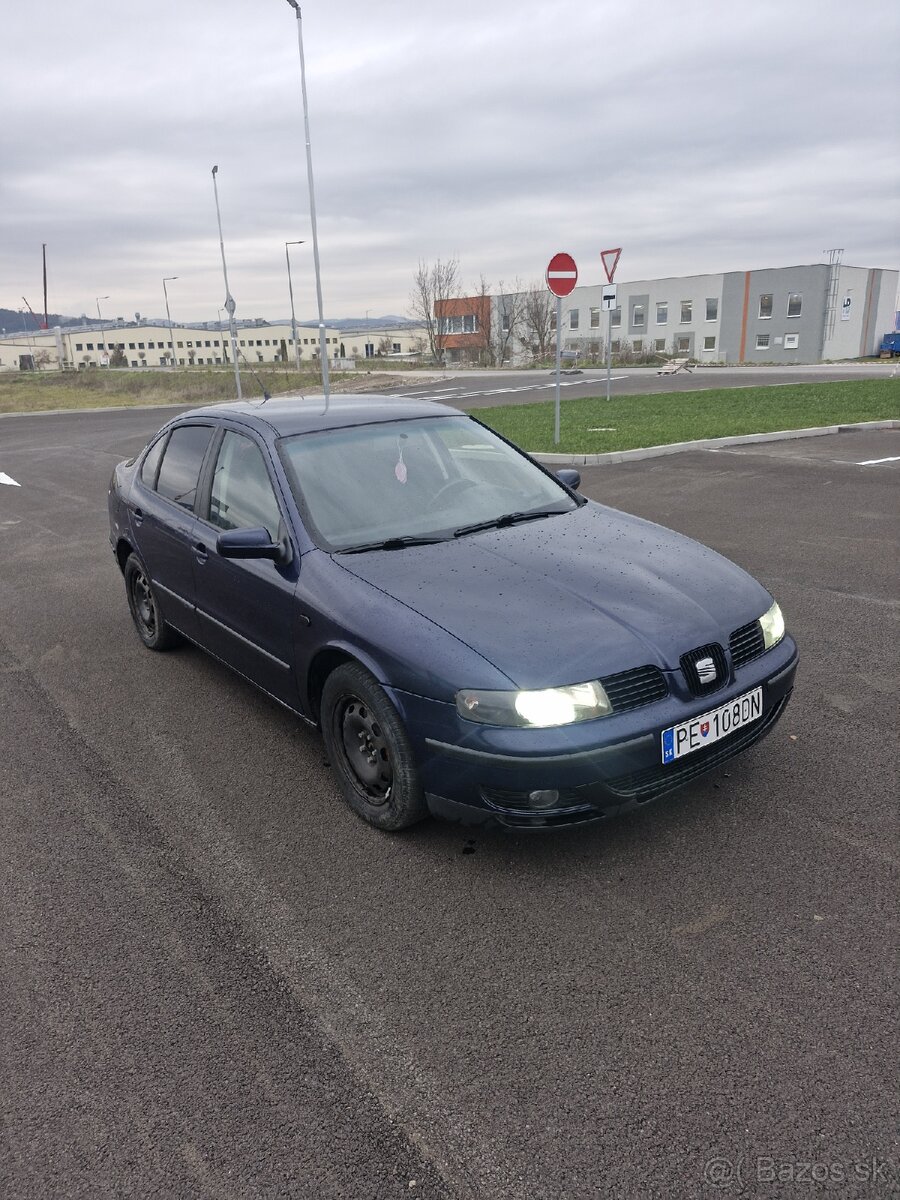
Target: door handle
<point>201,552</point>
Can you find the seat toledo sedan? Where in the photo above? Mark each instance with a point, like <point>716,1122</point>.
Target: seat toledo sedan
<point>473,637</point>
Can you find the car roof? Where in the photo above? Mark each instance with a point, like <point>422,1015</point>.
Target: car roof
<point>307,414</point>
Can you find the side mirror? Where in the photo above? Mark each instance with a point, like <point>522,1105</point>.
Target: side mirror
<point>251,543</point>
<point>570,478</point>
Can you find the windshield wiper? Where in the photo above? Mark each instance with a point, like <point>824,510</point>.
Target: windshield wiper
<point>394,543</point>
<point>513,518</point>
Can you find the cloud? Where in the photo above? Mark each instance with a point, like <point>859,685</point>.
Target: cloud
<point>701,137</point>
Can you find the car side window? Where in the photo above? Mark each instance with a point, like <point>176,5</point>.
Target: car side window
<point>179,472</point>
<point>150,465</point>
<point>242,496</point>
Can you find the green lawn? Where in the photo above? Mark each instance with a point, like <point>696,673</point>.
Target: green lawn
<point>635,421</point>
<point>36,391</point>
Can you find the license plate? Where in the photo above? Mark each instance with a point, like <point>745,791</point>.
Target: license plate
<point>710,727</point>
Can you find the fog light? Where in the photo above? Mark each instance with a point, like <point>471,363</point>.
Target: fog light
<point>544,799</point>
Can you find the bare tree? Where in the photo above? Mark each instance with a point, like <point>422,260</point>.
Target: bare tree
<point>510,319</point>
<point>537,320</point>
<point>385,346</point>
<point>433,284</point>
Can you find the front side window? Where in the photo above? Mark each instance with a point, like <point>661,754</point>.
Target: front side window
<point>241,496</point>
<point>712,308</point>
<point>795,304</point>
<point>418,478</point>
<point>687,311</point>
<point>765,306</point>
<point>179,472</point>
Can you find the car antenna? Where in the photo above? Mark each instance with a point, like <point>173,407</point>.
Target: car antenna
<point>262,386</point>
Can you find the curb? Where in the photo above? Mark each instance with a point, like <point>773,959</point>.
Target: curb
<point>745,439</point>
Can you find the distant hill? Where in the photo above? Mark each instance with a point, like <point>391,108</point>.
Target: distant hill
<point>16,321</point>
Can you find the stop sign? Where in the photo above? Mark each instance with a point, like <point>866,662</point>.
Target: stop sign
<point>562,274</point>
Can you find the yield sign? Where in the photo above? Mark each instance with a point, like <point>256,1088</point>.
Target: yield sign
<point>610,261</point>
<point>562,274</point>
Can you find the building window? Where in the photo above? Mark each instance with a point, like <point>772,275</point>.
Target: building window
<point>90,345</point>
<point>504,321</point>
<point>595,318</point>
<point>791,341</point>
<point>267,342</point>
<point>709,343</point>
<point>78,346</point>
<point>712,308</point>
<point>765,307</point>
<point>190,345</point>
<point>637,344</point>
<point>683,345</point>
<point>616,345</point>
<point>180,346</point>
<point>470,323</point>
<point>687,311</point>
<point>553,318</point>
<point>396,347</point>
<point>795,305</point>
<point>762,341</point>
<point>660,345</point>
<point>662,312</point>
<point>573,318</point>
<point>616,318</point>
<point>141,346</point>
<point>637,316</point>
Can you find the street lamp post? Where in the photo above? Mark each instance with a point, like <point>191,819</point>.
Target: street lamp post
<point>229,299</point>
<point>323,344</point>
<point>168,279</point>
<point>368,310</point>
<point>291,290</point>
<point>100,317</point>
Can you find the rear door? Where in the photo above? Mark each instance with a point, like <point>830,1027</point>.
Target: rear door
<point>161,512</point>
<point>246,607</point>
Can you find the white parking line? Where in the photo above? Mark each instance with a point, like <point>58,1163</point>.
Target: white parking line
<point>8,479</point>
<point>873,462</point>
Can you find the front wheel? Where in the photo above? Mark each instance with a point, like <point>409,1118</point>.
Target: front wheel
<point>369,750</point>
<point>144,606</point>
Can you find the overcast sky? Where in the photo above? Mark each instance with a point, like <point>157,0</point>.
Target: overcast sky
<point>701,136</point>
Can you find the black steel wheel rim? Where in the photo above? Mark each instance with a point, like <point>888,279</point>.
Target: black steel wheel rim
<point>144,606</point>
<point>366,749</point>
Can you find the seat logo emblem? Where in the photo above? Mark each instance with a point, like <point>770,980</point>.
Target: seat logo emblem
<point>706,670</point>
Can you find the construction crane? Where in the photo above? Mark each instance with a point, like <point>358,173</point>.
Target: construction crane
<point>38,324</point>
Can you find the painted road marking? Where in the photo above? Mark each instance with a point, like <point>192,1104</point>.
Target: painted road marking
<point>873,462</point>
<point>8,479</point>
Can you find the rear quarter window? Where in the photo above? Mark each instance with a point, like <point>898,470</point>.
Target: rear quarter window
<point>179,472</point>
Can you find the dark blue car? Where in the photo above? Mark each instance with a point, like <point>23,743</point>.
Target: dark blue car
<point>474,638</point>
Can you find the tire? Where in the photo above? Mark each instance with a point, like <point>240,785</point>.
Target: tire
<point>145,610</point>
<point>369,750</point>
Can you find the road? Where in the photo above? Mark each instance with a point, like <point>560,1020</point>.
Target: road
<point>483,389</point>
<point>217,982</point>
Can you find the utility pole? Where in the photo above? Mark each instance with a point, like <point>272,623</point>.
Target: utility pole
<point>229,299</point>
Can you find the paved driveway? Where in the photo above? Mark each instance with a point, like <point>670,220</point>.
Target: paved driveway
<point>217,982</point>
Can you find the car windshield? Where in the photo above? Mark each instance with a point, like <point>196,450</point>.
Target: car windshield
<point>404,482</point>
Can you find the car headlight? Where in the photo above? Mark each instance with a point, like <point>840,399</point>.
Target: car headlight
<point>535,710</point>
<point>772,625</point>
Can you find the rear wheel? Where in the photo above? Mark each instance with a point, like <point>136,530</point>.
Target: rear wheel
<point>370,751</point>
<point>144,606</point>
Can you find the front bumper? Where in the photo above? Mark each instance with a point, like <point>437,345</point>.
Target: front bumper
<point>481,774</point>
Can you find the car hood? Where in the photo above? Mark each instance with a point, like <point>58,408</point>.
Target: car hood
<point>575,596</point>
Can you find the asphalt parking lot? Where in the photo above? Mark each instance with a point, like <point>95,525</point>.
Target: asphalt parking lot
<point>217,981</point>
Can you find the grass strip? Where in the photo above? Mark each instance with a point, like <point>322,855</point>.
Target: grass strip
<point>631,422</point>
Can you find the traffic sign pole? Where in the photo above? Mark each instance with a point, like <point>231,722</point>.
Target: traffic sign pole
<point>610,259</point>
<point>558,367</point>
<point>562,275</point>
